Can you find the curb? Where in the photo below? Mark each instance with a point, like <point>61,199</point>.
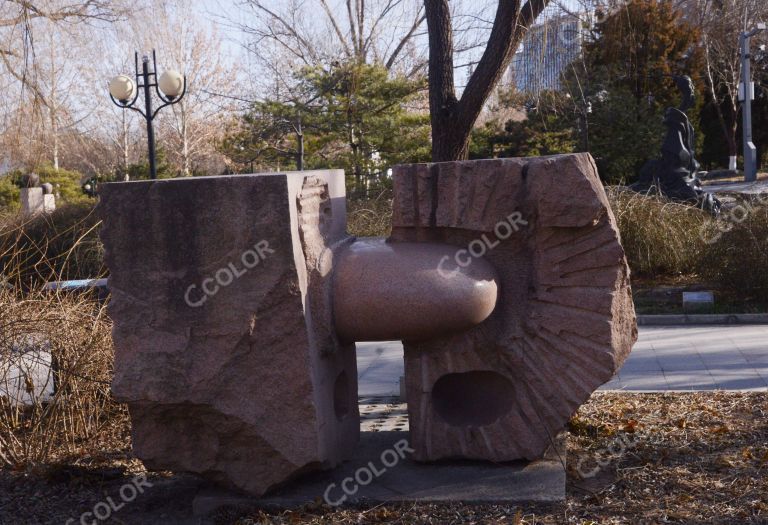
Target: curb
<point>701,319</point>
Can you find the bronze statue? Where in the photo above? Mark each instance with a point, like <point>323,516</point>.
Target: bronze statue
<point>675,175</point>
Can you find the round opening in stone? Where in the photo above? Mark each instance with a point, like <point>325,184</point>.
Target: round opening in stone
<point>341,395</point>
<point>473,399</point>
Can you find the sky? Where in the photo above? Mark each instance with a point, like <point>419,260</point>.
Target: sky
<point>226,14</point>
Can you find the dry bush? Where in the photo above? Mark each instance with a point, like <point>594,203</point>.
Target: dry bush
<point>56,353</point>
<point>38,424</point>
<point>661,238</point>
<point>62,245</point>
<point>737,256</point>
<point>370,217</point>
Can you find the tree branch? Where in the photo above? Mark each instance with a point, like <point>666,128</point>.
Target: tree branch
<point>336,27</point>
<point>498,53</point>
<point>442,90</point>
<point>416,24</point>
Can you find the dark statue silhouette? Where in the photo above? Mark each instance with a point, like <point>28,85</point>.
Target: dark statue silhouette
<point>675,175</point>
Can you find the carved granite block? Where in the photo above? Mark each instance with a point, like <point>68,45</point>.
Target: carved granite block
<point>564,321</point>
<point>225,349</point>
<point>237,301</point>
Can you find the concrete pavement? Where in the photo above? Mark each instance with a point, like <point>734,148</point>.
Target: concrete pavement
<point>752,188</point>
<point>665,358</point>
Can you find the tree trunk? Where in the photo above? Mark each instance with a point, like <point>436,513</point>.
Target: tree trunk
<point>185,151</point>
<point>186,163</point>
<point>55,144</point>
<point>728,128</point>
<point>300,144</point>
<point>452,120</point>
<point>126,177</point>
<point>450,138</point>
<point>53,109</point>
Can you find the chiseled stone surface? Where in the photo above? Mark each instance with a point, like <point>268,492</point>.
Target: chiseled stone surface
<point>225,351</point>
<point>564,322</point>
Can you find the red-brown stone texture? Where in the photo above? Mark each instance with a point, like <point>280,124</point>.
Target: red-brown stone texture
<point>224,345</point>
<point>564,322</point>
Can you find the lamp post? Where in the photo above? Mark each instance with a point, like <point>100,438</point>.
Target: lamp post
<point>746,95</point>
<point>170,88</point>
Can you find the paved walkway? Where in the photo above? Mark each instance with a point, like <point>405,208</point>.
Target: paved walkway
<point>737,187</point>
<point>664,358</point>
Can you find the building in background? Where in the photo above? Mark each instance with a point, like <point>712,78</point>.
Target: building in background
<point>548,48</point>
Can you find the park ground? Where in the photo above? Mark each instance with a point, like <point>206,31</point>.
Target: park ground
<point>631,458</point>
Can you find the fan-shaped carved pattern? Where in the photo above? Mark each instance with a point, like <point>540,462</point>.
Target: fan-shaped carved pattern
<point>565,320</point>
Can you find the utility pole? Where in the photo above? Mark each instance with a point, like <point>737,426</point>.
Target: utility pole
<point>746,95</point>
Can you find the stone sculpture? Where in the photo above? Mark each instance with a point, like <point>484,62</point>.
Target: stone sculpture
<point>35,198</point>
<point>237,301</point>
<point>675,175</point>
<point>564,321</point>
<point>224,344</point>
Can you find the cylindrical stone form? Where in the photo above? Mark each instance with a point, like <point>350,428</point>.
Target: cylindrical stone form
<point>409,291</point>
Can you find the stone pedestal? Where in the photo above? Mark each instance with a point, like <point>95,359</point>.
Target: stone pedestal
<point>395,477</point>
<point>224,345</point>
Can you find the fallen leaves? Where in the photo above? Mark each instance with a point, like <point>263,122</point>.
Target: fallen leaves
<point>686,458</point>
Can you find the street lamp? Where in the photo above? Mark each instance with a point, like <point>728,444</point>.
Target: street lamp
<point>747,95</point>
<point>170,88</point>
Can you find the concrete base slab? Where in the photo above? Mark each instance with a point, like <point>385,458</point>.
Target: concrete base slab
<point>541,481</point>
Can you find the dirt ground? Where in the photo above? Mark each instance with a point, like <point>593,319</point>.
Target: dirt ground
<point>632,458</point>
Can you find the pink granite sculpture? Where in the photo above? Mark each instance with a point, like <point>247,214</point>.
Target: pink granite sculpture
<point>224,345</point>
<point>564,322</point>
<point>237,301</point>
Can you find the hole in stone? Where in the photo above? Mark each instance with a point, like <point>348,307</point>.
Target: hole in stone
<point>341,395</point>
<point>472,398</point>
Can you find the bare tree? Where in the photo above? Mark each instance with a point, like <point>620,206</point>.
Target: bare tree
<point>36,38</point>
<point>190,129</point>
<point>453,118</point>
<point>321,31</point>
<point>18,19</point>
<point>721,23</point>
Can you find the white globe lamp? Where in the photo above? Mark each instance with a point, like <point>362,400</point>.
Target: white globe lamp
<point>122,88</point>
<point>171,83</point>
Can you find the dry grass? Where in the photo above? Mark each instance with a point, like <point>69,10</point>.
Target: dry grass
<point>370,217</point>
<point>37,425</point>
<point>737,258</point>
<point>661,238</point>
<point>56,352</point>
<point>62,245</point>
